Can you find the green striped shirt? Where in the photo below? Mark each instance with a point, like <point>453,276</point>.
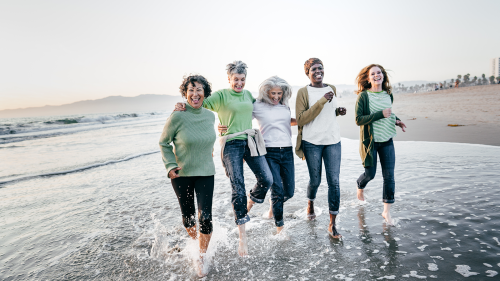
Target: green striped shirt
<point>385,128</point>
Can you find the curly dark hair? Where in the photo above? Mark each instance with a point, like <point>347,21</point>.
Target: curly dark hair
<point>310,62</point>
<point>207,87</point>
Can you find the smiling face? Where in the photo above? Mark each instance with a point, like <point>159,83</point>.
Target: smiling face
<point>316,73</point>
<point>237,82</point>
<point>375,76</point>
<point>195,95</point>
<point>275,94</point>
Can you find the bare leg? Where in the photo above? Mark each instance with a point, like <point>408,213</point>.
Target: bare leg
<point>361,195</point>
<point>279,229</point>
<point>332,229</point>
<point>204,240</point>
<point>310,210</point>
<point>387,214</point>
<point>192,232</point>
<point>270,213</point>
<point>250,204</point>
<point>243,248</point>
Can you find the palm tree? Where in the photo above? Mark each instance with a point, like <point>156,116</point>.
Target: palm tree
<point>485,81</point>
<point>492,79</point>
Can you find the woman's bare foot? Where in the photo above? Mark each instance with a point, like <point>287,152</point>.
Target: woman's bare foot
<point>387,214</point>
<point>250,204</point>
<point>243,247</point>
<point>361,195</point>
<point>332,229</point>
<point>310,210</point>
<point>199,268</point>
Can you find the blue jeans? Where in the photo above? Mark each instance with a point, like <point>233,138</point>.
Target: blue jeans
<point>232,160</point>
<point>387,156</point>
<point>331,157</point>
<point>280,161</point>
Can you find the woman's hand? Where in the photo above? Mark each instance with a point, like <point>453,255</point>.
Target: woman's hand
<point>173,173</point>
<point>342,110</point>
<point>293,122</point>
<point>222,129</point>
<point>180,106</point>
<point>387,113</point>
<point>401,124</point>
<point>329,96</point>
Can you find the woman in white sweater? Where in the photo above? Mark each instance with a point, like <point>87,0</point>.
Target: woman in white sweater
<point>274,117</point>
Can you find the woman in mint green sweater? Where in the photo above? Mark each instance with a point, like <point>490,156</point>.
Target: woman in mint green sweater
<point>377,126</point>
<point>189,163</point>
<point>240,144</point>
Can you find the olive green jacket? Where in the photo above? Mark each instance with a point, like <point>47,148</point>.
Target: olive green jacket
<point>305,114</point>
<point>364,119</point>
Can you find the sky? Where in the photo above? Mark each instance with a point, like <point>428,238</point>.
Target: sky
<point>57,52</point>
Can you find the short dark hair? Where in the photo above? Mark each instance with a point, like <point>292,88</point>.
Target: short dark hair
<point>310,62</point>
<point>207,89</point>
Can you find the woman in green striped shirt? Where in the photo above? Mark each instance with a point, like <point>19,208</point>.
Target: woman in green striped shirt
<point>377,126</point>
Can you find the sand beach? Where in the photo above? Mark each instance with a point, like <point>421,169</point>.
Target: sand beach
<point>476,111</point>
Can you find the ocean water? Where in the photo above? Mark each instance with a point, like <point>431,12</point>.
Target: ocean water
<point>89,199</point>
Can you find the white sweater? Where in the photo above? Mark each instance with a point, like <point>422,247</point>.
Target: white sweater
<point>324,129</point>
<point>274,123</point>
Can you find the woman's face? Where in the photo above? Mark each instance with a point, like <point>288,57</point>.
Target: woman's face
<point>237,82</point>
<point>195,95</point>
<point>275,94</point>
<point>316,73</point>
<point>375,76</point>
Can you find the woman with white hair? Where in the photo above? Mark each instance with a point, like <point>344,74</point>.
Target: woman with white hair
<point>273,114</point>
<point>240,143</point>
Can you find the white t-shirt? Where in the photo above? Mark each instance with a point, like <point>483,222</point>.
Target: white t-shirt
<point>324,129</point>
<point>274,123</point>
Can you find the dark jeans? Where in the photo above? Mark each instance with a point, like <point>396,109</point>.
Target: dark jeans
<point>185,188</point>
<point>280,161</point>
<point>232,160</point>
<point>330,154</point>
<point>387,156</point>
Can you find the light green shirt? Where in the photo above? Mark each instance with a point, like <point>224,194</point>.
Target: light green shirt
<point>193,134</point>
<point>234,110</point>
<point>383,129</point>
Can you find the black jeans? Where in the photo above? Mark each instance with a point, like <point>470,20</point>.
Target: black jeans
<point>280,161</point>
<point>185,188</point>
<point>387,156</point>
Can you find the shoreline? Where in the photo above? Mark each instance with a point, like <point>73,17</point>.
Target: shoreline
<point>427,116</point>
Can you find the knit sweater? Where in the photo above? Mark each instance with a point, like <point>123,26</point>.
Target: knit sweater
<point>234,110</point>
<point>193,135</point>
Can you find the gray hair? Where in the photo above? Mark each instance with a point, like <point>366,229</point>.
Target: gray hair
<point>236,67</point>
<point>271,82</point>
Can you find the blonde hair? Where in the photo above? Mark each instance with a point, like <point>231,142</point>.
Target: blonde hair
<point>271,82</point>
<point>362,79</point>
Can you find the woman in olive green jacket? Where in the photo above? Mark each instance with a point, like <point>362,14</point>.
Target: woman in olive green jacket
<point>377,126</point>
<point>319,138</point>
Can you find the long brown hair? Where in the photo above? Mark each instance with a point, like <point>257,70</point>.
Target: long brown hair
<point>362,79</point>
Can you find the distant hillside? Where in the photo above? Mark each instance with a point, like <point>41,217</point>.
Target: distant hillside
<point>140,103</point>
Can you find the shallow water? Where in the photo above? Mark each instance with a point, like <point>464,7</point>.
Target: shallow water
<point>121,220</point>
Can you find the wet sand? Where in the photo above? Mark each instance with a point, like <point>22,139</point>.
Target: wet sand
<point>427,116</point>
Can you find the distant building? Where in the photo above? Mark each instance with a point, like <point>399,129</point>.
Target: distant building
<point>495,67</point>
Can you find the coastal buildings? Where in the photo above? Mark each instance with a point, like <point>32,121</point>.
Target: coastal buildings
<point>495,67</point>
